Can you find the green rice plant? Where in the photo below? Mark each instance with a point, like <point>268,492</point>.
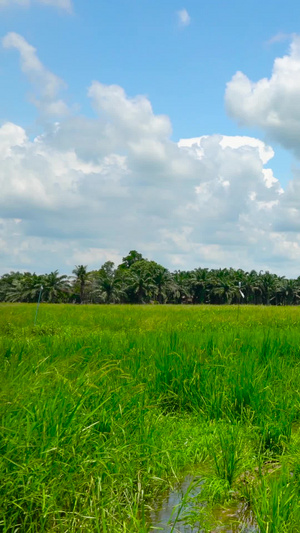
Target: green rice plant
<point>102,407</point>
<point>214,394</point>
<point>275,434</point>
<point>275,504</point>
<point>275,426</point>
<point>227,453</point>
<point>245,387</point>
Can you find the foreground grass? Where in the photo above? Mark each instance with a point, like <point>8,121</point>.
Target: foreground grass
<point>103,407</point>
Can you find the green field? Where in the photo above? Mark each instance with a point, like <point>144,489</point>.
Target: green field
<point>104,408</point>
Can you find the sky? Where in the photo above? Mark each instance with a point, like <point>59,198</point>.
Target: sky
<point>172,128</point>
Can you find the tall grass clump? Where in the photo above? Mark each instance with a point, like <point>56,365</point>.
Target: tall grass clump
<point>276,504</point>
<point>227,453</point>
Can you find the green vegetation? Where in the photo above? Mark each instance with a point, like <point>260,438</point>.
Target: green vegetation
<point>103,408</point>
<point>137,280</point>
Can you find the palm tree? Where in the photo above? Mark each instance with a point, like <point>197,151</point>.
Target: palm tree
<point>106,284</point>
<point>6,282</point>
<point>162,281</point>
<point>55,286</point>
<point>181,287</point>
<point>224,287</point>
<point>81,276</point>
<point>14,292</point>
<point>139,285</point>
<point>288,291</point>
<point>25,289</point>
<point>251,287</point>
<point>268,284</point>
<point>198,282</point>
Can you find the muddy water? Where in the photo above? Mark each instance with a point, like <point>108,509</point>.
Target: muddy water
<point>236,519</point>
<point>164,516</point>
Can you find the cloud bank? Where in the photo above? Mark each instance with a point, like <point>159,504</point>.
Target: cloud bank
<point>90,189</point>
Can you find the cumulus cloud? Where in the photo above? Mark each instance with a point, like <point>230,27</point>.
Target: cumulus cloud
<point>273,104</point>
<point>90,189</point>
<point>199,202</point>
<point>62,4</point>
<point>46,84</point>
<point>183,18</point>
<point>131,117</point>
<point>265,152</point>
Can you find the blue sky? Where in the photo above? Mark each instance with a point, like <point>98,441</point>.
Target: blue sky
<point>95,96</point>
<point>140,46</point>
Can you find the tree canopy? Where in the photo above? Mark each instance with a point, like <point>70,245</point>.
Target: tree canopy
<point>140,281</point>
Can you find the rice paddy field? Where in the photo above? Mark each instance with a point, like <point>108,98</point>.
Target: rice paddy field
<point>106,411</point>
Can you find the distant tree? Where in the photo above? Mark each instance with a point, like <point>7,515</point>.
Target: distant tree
<point>25,288</point>
<point>198,284</point>
<point>181,291</point>
<point>131,258</point>
<point>107,270</point>
<point>6,283</point>
<point>288,291</point>
<point>55,287</point>
<point>161,280</point>
<point>251,288</point>
<point>81,276</point>
<point>224,288</point>
<point>138,283</point>
<point>106,286</point>
<point>268,284</point>
<point>137,280</point>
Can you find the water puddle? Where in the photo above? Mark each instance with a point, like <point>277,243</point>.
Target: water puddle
<point>164,517</point>
<point>171,515</point>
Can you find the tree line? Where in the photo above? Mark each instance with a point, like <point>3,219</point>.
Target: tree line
<point>139,281</point>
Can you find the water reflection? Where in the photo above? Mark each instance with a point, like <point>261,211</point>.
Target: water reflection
<point>165,518</point>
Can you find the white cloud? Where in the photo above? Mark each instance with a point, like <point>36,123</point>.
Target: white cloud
<point>272,104</point>
<point>10,137</point>
<point>279,38</point>
<point>94,256</point>
<point>62,4</point>
<point>90,189</point>
<point>183,18</point>
<point>46,84</point>
<point>133,117</point>
<point>265,152</point>
<point>178,206</point>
